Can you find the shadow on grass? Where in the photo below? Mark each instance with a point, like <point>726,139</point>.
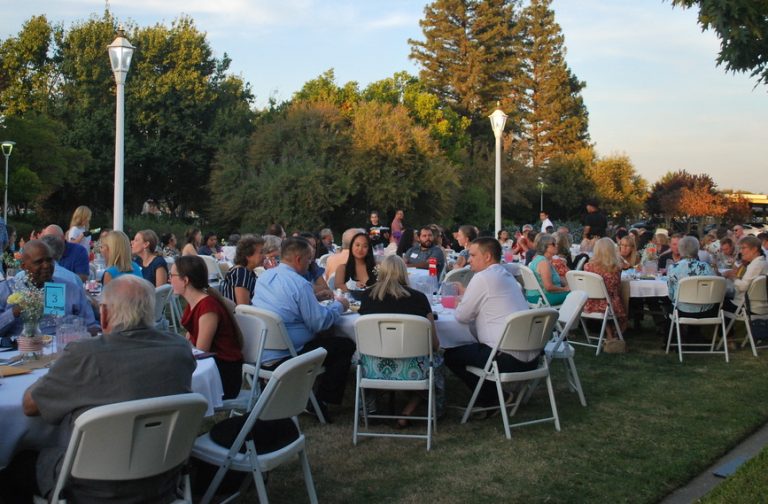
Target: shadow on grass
<point>651,425</point>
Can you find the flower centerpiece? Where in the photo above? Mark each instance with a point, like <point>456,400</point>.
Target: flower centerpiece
<point>649,259</point>
<point>29,299</point>
<point>12,262</point>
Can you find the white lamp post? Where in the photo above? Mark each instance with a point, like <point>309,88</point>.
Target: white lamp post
<point>120,54</point>
<point>7,149</point>
<point>541,193</point>
<point>498,119</point>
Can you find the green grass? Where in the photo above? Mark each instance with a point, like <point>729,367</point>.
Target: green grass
<point>650,426</point>
<point>749,484</point>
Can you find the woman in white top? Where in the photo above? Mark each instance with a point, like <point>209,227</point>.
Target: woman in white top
<point>753,265</point>
<point>78,227</point>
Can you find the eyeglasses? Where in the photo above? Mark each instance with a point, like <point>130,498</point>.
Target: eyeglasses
<point>174,274</point>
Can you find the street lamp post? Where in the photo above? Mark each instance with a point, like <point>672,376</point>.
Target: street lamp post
<point>541,194</point>
<point>7,149</point>
<point>498,119</point>
<point>120,54</point>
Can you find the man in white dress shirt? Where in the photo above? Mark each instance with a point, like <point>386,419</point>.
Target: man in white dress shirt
<point>491,296</point>
<point>545,222</point>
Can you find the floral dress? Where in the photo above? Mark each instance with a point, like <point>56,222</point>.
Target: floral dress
<point>613,286</point>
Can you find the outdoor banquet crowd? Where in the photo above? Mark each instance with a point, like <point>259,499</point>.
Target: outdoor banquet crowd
<point>309,282</point>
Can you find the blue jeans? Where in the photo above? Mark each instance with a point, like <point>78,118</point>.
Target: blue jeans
<point>476,354</point>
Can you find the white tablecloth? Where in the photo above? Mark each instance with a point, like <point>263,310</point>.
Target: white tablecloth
<point>644,288</point>
<point>18,430</point>
<point>450,332</point>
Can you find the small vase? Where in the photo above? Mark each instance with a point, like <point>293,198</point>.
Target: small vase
<point>31,341</point>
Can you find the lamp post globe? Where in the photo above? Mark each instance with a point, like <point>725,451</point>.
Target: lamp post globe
<point>7,149</point>
<point>498,120</point>
<point>120,55</point>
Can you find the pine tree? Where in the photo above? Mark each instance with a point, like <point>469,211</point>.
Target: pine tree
<point>556,119</point>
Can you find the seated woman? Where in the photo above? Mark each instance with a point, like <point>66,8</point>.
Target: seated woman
<point>359,270</point>
<point>606,263</point>
<point>116,250</point>
<point>407,240</point>
<point>315,273</point>
<point>753,265</point>
<point>689,266</point>
<point>465,236</point>
<point>562,259</point>
<point>555,288</point>
<point>154,269</point>
<point>504,239</point>
<point>240,281</point>
<point>630,258</point>
<point>391,294</point>
<point>169,244</point>
<point>194,239</point>
<point>209,322</point>
<point>271,251</point>
<point>522,242</point>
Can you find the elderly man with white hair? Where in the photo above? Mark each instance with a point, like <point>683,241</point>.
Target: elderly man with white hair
<point>131,360</point>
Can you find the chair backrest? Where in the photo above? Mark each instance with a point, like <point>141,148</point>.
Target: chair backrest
<point>287,391</point>
<point>528,330</point>
<point>254,333</point>
<point>134,439</point>
<point>162,294</point>
<point>323,260</point>
<point>756,293</point>
<point>460,275</point>
<point>581,263</point>
<point>393,335</point>
<point>214,271</point>
<point>277,335</point>
<point>332,281</point>
<point>513,268</point>
<point>530,282</point>
<point>703,290</point>
<point>570,310</point>
<point>591,283</point>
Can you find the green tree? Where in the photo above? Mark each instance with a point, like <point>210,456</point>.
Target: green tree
<point>666,194</point>
<point>620,189</point>
<point>742,26</point>
<point>567,185</point>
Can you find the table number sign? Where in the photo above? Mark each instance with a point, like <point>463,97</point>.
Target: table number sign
<point>55,297</point>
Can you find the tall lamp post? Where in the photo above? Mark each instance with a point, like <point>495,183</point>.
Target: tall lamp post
<point>7,149</point>
<point>120,54</point>
<point>541,194</point>
<point>498,119</point>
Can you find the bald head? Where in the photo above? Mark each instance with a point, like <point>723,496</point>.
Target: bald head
<point>37,261</point>
<point>53,230</point>
<point>346,237</point>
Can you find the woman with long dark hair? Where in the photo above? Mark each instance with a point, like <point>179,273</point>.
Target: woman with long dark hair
<point>209,322</point>
<point>360,265</point>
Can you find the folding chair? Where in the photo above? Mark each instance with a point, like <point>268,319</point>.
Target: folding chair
<point>559,347</point>
<point>215,277</point>
<point>531,283</point>
<point>133,440</point>
<point>284,397</point>
<point>162,294</point>
<point>745,313</point>
<point>323,260</point>
<point>460,275</point>
<point>254,334</point>
<point>699,290</point>
<point>394,336</point>
<point>332,281</point>
<point>526,331</point>
<point>276,338</point>
<point>594,286</point>
<point>581,263</point>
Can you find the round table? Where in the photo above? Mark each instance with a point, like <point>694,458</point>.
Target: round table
<point>450,332</point>
<point>20,431</point>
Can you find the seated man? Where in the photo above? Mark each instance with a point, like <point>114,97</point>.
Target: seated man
<point>105,370</point>
<point>284,291</point>
<point>491,296</point>
<point>57,245</point>
<point>37,261</point>
<point>418,256</point>
<point>73,258</point>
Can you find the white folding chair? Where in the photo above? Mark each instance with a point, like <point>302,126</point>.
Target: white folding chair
<point>531,283</point>
<point>284,397</point>
<point>254,334</point>
<point>394,336</point>
<point>594,285</point>
<point>215,277</point>
<point>460,275</point>
<point>526,331</point>
<point>332,281</point>
<point>323,260</point>
<point>756,294</point>
<point>162,294</point>
<point>133,440</point>
<point>699,290</point>
<point>559,347</point>
<point>581,263</point>
<point>276,338</point>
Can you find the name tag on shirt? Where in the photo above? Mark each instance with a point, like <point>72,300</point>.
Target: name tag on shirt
<point>55,297</point>
<point>414,255</point>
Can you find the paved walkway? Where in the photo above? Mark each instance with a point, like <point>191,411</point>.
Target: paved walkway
<point>706,481</point>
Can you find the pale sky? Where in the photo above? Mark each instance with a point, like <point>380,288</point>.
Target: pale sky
<point>653,90</point>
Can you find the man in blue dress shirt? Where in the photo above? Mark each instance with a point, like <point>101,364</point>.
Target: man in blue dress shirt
<point>284,291</point>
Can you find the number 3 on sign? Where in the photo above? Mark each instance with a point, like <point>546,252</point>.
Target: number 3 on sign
<point>55,296</point>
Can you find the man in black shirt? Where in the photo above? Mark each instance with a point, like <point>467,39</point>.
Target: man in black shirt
<point>378,234</point>
<point>594,221</point>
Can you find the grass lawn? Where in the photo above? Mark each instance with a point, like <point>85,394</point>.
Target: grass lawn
<point>748,485</point>
<point>651,425</point>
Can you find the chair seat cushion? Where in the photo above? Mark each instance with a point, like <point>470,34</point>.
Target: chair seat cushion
<point>267,435</point>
